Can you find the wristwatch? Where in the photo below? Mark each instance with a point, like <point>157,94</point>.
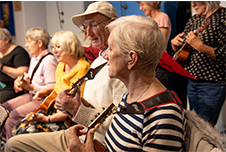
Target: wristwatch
<point>1,68</point>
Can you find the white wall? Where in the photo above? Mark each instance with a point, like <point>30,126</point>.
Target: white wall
<point>69,8</point>
<point>32,14</point>
<point>44,14</point>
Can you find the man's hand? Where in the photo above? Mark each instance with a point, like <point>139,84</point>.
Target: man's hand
<point>65,102</point>
<point>75,144</point>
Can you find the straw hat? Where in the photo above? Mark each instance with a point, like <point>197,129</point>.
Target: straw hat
<point>101,7</point>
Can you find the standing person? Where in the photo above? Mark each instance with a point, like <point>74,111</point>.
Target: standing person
<point>14,61</point>
<point>101,91</point>
<point>135,47</point>
<point>152,10</point>
<point>206,60</point>
<point>37,41</point>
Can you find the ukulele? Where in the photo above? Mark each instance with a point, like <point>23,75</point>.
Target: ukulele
<point>182,53</point>
<point>100,118</point>
<point>49,103</point>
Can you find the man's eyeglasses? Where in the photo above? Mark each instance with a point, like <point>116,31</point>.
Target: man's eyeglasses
<point>93,25</point>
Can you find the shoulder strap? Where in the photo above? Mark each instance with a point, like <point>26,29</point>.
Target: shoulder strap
<point>163,98</point>
<point>37,65</point>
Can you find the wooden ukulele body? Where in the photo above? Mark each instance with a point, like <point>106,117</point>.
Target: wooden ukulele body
<point>182,54</point>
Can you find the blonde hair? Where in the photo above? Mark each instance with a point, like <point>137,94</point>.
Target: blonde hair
<point>4,33</point>
<point>69,43</point>
<point>37,34</point>
<point>142,35</point>
<point>211,6</point>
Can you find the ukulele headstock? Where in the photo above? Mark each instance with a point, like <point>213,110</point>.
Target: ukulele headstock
<point>100,118</point>
<point>74,87</point>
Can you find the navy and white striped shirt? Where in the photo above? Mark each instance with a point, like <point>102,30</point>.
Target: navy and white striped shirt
<point>160,129</point>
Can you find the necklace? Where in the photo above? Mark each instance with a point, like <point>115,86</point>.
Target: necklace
<point>143,92</point>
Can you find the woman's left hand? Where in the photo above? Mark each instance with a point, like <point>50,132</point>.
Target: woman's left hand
<point>193,40</point>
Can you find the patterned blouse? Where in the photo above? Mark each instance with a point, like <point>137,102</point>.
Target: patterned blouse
<point>198,64</point>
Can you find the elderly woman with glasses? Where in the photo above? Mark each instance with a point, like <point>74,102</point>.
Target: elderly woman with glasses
<point>205,33</point>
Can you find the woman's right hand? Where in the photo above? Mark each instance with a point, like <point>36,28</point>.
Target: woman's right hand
<point>17,86</point>
<point>38,117</point>
<point>177,41</point>
<point>38,95</point>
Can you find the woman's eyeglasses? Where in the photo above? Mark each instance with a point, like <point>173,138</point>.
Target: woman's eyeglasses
<point>55,47</point>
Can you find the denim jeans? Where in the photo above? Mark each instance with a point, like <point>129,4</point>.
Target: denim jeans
<point>206,98</point>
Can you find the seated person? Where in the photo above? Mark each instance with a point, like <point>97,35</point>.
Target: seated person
<point>102,90</point>
<point>72,65</point>
<point>14,61</point>
<point>135,47</point>
<point>90,52</point>
<point>37,40</point>
<point>55,121</point>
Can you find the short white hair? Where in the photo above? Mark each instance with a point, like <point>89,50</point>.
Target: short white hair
<point>38,33</point>
<point>142,35</point>
<point>4,33</point>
